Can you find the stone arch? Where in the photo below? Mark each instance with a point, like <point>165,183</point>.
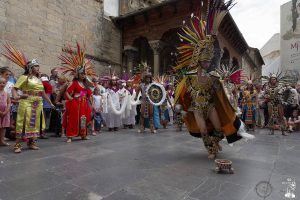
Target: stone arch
<point>168,54</point>
<point>144,51</point>
<point>225,60</point>
<point>171,37</point>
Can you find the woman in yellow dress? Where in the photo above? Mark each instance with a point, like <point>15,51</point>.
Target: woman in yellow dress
<point>29,92</point>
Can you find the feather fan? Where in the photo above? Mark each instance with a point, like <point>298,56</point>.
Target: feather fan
<point>14,55</point>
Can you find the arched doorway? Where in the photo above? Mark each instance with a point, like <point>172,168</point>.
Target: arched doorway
<point>225,60</point>
<point>144,52</point>
<point>168,59</point>
<point>169,53</point>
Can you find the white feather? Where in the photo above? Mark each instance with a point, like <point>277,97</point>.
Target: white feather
<point>242,132</point>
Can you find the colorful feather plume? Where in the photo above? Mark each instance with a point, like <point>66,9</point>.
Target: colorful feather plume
<point>236,76</point>
<point>216,11</point>
<point>197,40</point>
<point>193,40</point>
<point>281,77</point>
<point>247,79</point>
<point>72,61</point>
<point>14,55</point>
<point>233,73</point>
<point>145,67</point>
<point>136,79</point>
<point>161,79</point>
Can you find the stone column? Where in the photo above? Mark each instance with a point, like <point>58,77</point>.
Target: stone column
<point>156,46</point>
<point>130,53</point>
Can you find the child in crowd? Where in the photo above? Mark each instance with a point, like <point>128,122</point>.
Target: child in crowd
<point>97,107</point>
<point>4,111</point>
<point>294,121</point>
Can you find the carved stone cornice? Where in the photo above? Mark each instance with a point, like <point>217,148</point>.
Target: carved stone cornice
<point>156,46</point>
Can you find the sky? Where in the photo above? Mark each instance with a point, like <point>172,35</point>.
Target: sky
<point>258,20</point>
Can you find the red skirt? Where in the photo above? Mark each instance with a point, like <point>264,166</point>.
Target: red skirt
<point>76,111</point>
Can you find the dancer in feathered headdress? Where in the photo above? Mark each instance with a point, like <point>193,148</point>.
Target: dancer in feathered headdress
<point>209,113</point>
<point>167,103</point>
<point>274,98</point>
<point>75,62</point>
<point>78,110</point>
<point>30,110</point>
<point>146,106</point>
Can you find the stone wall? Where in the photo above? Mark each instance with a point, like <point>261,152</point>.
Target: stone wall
<point>40,28</point>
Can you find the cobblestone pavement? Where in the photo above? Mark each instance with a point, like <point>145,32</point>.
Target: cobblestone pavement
<point>164,166</point>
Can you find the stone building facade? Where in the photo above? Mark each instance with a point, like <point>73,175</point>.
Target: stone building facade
<point>151,35</point>
<point>41,28</point>
<point>141,30</point>
<point>252,63</point>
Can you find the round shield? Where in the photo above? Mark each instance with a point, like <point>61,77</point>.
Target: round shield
<point>156,94</point>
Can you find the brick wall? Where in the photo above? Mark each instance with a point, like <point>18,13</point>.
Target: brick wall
<point>41,27</point>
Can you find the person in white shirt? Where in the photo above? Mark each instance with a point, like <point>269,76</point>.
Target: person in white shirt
<point>97,109</point>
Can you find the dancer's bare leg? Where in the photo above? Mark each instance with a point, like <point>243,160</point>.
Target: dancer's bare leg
<point>204,133</point>
<point>215,120</point>
<point>142,128</point>
<point>282,120</point>
<point>2,135</point>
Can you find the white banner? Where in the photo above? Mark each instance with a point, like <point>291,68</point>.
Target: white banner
<point>290,38</point>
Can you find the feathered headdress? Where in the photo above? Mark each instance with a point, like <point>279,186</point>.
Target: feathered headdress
<point>112,74</point>
<point>14,55</point>
<point>217,9</point>
<point>198,37</point>
<point>75,62</point>
<point>280,77</point>
<point>17,57</point>
<point>145,70</point>
<point>251,79</point>
<point>161,79</point>
<point>226,71</point>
